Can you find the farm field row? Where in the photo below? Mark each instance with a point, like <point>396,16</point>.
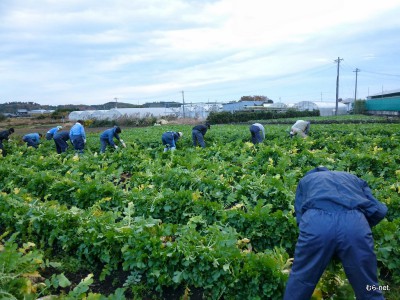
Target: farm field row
<point>216,222</point>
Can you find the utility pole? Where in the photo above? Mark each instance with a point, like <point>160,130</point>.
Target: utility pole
<point>183,102</point>
<point>338,60</point>
<point>355,90</point>
<point>116,102</point>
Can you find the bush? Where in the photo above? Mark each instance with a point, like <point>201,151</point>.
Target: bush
<point>245,116</point>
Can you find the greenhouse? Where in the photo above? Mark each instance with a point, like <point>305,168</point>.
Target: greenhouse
<point>325,108</point>
<point>116,113</point>
<point>198,110</point>
<point>79,115</point>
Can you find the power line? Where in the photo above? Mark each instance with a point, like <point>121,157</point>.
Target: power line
<point>384,74</point>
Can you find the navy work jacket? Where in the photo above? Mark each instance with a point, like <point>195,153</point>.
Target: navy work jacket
<point>337,191</point>
<point>202,128</point>
<point>109,135</point>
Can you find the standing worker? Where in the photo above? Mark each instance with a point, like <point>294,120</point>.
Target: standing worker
<point>32,139</point>
<point>198,133</point>
<point>107,138</point>
<point>300,127</point>
<point>77,136</point>
<point>169,139</point>
<point>5,135</point>
<point>60,139</point>
<point>257,133</point>
<point>50,134</point>
<point>335,212</point>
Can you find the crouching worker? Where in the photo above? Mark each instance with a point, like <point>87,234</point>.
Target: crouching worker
<point>50,134</point>
<point>60,139</point>
<point>77,136</point>
<point>300,127</point>
<point>198,133</point>
<point>107,138</point>
<point>257,133</point>
<point>335,212</point>
<point>5,135</point>
<point>169,140</point>
<point>32,139</point>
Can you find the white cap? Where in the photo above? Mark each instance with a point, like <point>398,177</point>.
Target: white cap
<point>59,127</point>
<point>180,134</point>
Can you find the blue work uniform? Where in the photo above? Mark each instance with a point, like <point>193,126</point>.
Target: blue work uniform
<point>198,133</point>
<point>335,212</point>
<point>60,139</point>
<point>4,135</point>
<point>169,139</point>
<point>257,133</point>
<point>107,138</point>
<point>50,133</point>
<point>77,136</point>
<point>32,139</point>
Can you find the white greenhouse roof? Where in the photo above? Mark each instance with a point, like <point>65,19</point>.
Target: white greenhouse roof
<point>320,104</point>
<point>116,113</point>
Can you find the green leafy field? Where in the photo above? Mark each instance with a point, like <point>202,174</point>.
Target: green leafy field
<point>217,221</point>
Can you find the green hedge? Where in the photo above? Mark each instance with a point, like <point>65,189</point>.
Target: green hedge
<point>244,116</point>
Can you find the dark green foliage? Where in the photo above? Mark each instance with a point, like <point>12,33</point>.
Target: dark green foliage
<point>219,219</point>
<point>242,116</point>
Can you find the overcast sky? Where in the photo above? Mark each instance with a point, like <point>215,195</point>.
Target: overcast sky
<point>92,51</point>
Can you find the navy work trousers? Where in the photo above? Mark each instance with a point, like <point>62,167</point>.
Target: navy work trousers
<point>345,234</point>
<point>61,145</point>
<point>78,142</point>
<point>197,137</point>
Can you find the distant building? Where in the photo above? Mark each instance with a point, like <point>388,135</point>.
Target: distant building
<point>9,115</point>
<point>387,103</point>
<point>198,110</point>
<point>22,113</point>
<point>276,107</point>
<point>349,102</point>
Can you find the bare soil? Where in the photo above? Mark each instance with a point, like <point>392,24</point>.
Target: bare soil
<point>23,126</point>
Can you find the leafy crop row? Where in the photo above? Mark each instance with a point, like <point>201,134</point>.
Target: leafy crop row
<point>218,219</point>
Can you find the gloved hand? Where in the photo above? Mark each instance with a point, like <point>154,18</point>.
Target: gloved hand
<point>123,144</point>
<point>115,146</point>
<point>84,140</point>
